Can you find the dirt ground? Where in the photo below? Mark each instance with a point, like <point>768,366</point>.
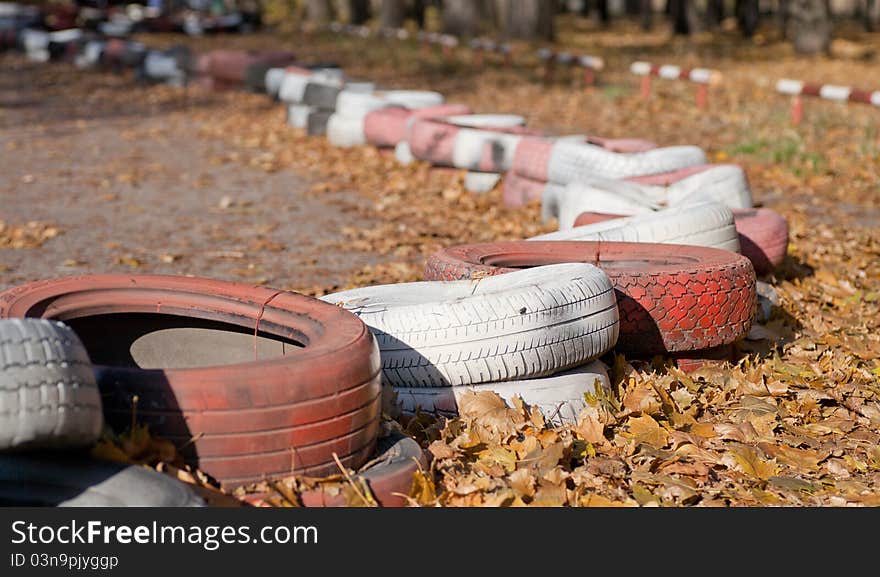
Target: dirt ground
<point>131,186</point>
<point>157,179</point>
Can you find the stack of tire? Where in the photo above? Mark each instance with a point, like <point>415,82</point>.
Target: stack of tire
<point>310,95</point>
<point>347,126</point>
<point>50,415</point>
<point>535,333</point>
<point>248,383</point>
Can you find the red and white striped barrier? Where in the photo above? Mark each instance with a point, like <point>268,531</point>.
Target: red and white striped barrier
<point>702,77</point>
<point>797,89</point>
<point>590,64</point>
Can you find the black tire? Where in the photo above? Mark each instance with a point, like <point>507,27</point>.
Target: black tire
<point>78,481</point>
<point>255,77</point>
<point>317,125</point>
<point>48,394</point>
<point>321,96</point>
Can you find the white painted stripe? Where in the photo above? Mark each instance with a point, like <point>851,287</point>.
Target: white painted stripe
<point>545,53</point>
<point>875,98</point>
<point>669,71</point>
<point>700,75</point>
<point>593,62</point>
<point>788,86</point>
<point>640,68</point>
<point>832,92</point>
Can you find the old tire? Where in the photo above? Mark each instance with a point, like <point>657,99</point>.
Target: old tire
<point>670,298</point>
<point>561,397</point>
<point>708,224</point>
<point>48,394</point>
<point>386,127</point>
<point>64,480</point>
<point>186,347</point>
<point>763,236</point>
<point>316,122</point>
<point>530,324</point>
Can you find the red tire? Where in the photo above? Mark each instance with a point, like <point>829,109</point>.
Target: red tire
<point>519,190</point>
<point>671,298</point>
<point>239,422</point>
<point>229,67</point>
<point>389,476</point>
<point>691,361</point>
<point>763,237</point>
<point>532,157</point>
<point>763,234</point>
<point>388,126</point>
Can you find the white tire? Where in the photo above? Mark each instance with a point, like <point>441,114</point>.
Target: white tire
<point>561,397</point>
<point>293,87</point>
<point>596,195</point>
<point>520,325</point>
<point>725,183</point>
<point>403,154</point>
<point>346,131</point>
<point>486,120</point>
<point>574,161</point>
<point>273,79</point>
<point>706,224</point>
<point>48,395</point>
<point>413,99</point>
<point>480,182</point>
<point>359,104</point>
<point>472,146</point>
<point>298,115</point>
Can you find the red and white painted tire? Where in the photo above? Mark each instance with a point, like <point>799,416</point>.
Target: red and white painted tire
<point>565,160</point>
<point>519,190</point>
<point>763,235</point>
<point>671,298</point>
<point>188,349</point>
<point>387,127</point>
<point>561,397</point>
<point>707,224</point>
<point>482,142</point>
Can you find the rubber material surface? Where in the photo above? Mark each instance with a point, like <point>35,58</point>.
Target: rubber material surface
<point>48,394</point>
<point>528,324</point>
<point>670,298</point>
<point>318,394</point>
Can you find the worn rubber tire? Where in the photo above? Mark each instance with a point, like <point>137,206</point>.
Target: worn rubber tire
<point>298,115</point>
<point>566,203</point>
<point>386,127</point>
<point>519,190</point>
<point>463,142</point>
<point>48,394</point>
<point>530,324</point>
<point>65,480</point>
<point>389,475</point>
<point>237,422</point>
<point>707,224</point>
<point>480,182</point>
<point>293,86</point>
<point>316,123</point>
<point>560,397</point>
<point>321,96</point>
<point>345,131</point>
<point>272,81</point>
<point>670,297</point>
<point>763,236</point>
<point>565,160</point>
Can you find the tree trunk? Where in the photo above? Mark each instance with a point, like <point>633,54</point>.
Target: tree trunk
<point>632,7</point>
<point>647,12</point>
<point>530,19</point>
<point>418,12</point>
<point>714,13</point>
<point>319,10</point>
<point>461,17</point>
<point>748,15</point>
<point>810,22</point>
<point>392,13</point>
<point>872,15</point>
<point>358,11</point>
<point>684,17</point>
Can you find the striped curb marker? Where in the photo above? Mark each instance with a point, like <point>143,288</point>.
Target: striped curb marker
<point>702,77</point>
<point>590,64</point>
<point>797,90</point>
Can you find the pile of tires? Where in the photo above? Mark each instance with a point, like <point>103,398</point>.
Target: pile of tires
<point>534,333</point>
<point>248,383</point>
<point>50,415</point>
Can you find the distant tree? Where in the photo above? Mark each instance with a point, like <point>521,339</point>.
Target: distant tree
<point>320,11</point>
<point>530,19</point>
<point>358,11</point>
<point>871,15</point>
<point>462,17</point>
<point>748,15</point>
<point>684,16</point>
<point>810,25</point>
<point>392,13</point>
<point>715,13</point>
